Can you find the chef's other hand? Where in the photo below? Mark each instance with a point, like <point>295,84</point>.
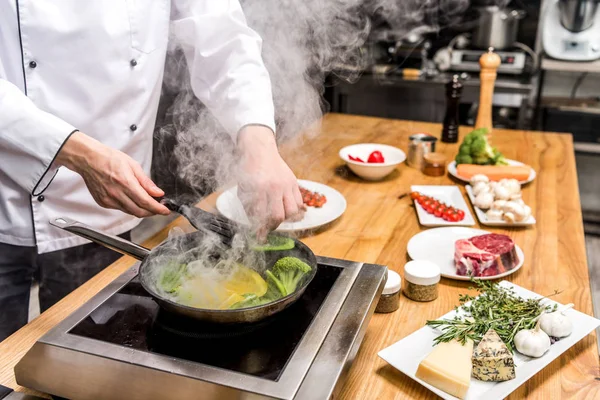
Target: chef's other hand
<point>113,178</point>
<point>267,187</point>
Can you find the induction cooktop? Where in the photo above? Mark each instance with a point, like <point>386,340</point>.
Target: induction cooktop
<point>121,345</point>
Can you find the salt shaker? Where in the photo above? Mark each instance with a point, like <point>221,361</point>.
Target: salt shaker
<point>453,93</point>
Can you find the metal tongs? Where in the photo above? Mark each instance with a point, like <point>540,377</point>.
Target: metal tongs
<point>204,220</point>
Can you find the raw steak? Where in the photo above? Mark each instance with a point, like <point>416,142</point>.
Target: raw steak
<point>485,255</point>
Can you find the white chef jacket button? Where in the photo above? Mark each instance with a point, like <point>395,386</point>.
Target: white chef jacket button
<point>32,64</point>
<point>133,127</point>
<point>41,198</point>
<point>133,62</point>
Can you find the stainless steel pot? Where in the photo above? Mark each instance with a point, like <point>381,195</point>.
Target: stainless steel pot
<point>496,27</point>
<point>577,15</point>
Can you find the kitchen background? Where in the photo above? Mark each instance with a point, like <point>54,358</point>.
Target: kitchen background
<point>403,75</point>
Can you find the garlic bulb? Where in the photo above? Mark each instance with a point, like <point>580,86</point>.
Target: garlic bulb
<point>494,214</point>
<point>501,193</point>
<point>479,178</point>
<point>480,187</point>
<point>556,323</point>
<point>532,342</point>
<point>509,217</point>
<point>499,205</point>
<point>484,200</point>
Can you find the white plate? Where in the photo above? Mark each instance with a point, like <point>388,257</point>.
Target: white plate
<point>482,217</point>
<point>437,245</point>
<point>406,354</point>
<point>450,195</point>
<point>230,207</point>
<point>452,171</point>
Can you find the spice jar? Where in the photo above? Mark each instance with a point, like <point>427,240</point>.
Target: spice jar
<point>421,280</point>
<point>390,297</point>
<point>434,164</point>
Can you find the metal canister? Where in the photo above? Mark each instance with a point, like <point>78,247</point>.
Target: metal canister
<point>419,145</point>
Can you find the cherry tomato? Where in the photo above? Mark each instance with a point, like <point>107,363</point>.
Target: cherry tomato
<point>461,214</point>
<point>447,214</point>
<point>439,211</point>
<point>376,157</point>
<point>415,195</point>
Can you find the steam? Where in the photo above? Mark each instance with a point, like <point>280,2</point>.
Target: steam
<point>303,41</point>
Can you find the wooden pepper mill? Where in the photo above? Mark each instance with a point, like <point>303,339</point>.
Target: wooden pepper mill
<point>489,63</point>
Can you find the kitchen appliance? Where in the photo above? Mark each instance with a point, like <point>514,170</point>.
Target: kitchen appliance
<point>496,27</point>
<point>511,62</point>
<point>122,345</point>
<point>571,30</point>
<point>186,248</point>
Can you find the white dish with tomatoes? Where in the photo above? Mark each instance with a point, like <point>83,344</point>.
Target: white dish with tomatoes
<point>372,161</point>
<point>441,206</point>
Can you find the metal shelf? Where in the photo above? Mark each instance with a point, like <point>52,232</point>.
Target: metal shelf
<point>549,64</point>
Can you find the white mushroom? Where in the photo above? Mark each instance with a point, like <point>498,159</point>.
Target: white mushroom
<point>481,187</point>
<point>501,193</point>
<point>509,217</point>
<point>494,215</point>
<point>515,197</point>
<point>493,185</point>
<point>513,207</point>
<point>484,200</point>
<point>524,214</point>
<point>513,186</point>
<point>499,205</point>
<point>479,178</point>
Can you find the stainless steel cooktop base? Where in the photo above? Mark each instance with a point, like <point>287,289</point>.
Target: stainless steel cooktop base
<point>76,367</point>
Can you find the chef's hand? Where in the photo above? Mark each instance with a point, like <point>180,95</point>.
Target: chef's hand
<point>267,187</point>
<point>113,178</point>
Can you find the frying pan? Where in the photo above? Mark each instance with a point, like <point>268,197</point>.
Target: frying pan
<point>189,243</point>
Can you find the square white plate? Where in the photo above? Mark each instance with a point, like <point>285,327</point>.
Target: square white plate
<point>406,354</point>
<point>484,220</point>
<point>450,195</point>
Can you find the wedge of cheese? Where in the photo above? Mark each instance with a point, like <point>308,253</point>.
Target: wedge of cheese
<point>492,360</point>
<point>448,368</point>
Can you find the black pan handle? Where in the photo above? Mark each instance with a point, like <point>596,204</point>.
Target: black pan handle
<point>110,241</point>
<point>4,391</point>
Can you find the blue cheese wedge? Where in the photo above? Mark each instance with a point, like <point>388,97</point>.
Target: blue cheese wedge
<point>492,360</point>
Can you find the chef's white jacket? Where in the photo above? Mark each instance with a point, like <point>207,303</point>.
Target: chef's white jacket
<point>97,67</point>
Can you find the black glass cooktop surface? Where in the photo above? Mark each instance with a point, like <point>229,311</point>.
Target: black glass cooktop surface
<point>131,318</point>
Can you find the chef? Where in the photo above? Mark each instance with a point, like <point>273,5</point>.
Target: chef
<point>80,83</point>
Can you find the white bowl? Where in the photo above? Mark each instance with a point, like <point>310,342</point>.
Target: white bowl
<point>372,171</point>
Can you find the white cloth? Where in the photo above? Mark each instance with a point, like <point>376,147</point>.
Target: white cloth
<point>97,66</point>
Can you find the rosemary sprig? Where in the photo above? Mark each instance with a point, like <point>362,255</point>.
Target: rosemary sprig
<point>496,307</point>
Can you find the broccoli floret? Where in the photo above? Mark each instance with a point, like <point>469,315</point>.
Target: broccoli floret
<point>464,159</point>
<point>475,149</point>
<point>290,271</point>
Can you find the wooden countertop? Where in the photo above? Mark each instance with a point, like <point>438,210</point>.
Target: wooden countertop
<point>376,228</point>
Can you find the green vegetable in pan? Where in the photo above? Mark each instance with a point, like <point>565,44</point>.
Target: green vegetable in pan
<point>170,278</point>
<point>275,243</point>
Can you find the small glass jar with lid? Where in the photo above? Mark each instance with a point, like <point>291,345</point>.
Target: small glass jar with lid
<point>421,280</point>
<point>390,297</point>
<point>434,164</point>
